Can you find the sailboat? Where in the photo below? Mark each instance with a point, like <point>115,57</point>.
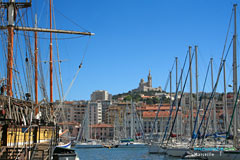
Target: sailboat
<point>229,149</point>
<point>131,142</point>
<point>83,140</point>
<point>29,129</point>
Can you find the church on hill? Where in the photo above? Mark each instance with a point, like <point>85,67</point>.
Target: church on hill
<point>146,86</point>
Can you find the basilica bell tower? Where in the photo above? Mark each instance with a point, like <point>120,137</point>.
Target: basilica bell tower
<point>149,79</point>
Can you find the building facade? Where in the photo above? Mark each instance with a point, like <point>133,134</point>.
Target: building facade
<point>102,132</point>
<point>95,112</point>
<point>100,95</point>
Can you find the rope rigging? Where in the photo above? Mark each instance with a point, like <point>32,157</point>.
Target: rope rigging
<point>175,97</point>
<point>179,102</point>
<point>212,96</point>
<point>160,103</point>
<point>200,104</point>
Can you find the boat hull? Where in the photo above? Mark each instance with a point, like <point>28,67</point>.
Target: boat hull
<point>88,146</point>
<point>177,152</point>
<point>156,149</point>
<point>132,145</point>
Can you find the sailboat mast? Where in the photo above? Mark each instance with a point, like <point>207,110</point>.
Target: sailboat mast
<point>196,67</point>
<point>235,68</point>
<point>132,120</point>
<point>225,95</point>
<point>190,98</point>
<point>170,88</point>
<point>51,59</point>
<point>10,47</point>
<point>213,101</point>
<point>176,104</point>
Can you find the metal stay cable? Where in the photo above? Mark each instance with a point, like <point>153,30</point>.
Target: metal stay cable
<point>199,106</point>
<point>58,56</point>
<point>171,110</point>
<point>206,127</point>
<point>212,94</point>
<point>179,102</point>
<point>229,26</point>
<point>235,106</point>
<point>160,103</point>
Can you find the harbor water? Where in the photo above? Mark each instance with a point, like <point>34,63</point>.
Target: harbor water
<point>119,154</point>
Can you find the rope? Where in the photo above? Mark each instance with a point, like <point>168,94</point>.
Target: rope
<point>70,19</point>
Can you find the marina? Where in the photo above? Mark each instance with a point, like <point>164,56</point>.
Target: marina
<point>190,117</point>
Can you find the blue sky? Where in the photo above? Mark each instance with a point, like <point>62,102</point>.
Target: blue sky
<point>133,37</point>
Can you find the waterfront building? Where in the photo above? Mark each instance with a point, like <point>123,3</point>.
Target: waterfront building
<point>95,112</point>
<point>148,114</point>
<point>70,113</point>
<point>105,107</point>
<point>102,131</point>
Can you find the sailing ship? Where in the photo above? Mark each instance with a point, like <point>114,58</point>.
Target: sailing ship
<point>29,129</point>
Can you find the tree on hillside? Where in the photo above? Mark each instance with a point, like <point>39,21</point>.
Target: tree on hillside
<point>127,98</point>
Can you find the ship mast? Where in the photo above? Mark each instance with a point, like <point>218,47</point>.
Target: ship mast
<point>50,62</point>
<point>190,94</point>
<point>36,67</point>
<point>235,70</point>
<point>11,7</point>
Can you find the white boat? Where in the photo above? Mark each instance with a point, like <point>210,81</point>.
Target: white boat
<point>89,144</point>
<point>131,145</point>
<point>156,148</point>
<point>64,145</point>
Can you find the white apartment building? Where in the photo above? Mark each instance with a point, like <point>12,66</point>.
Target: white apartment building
<point>95,112</point>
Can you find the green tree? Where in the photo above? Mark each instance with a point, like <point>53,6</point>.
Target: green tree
<point>149,101</point>
<point>127,98</point>
<point>155,100</point>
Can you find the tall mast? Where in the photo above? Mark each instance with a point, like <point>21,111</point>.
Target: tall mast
<point>132,120</point>
<point>235,69</point>
<point>196,67</point>
<point>12,6</point>
<point>190,98</point>
<point>176,104</point>
<point>10,27</point>
<point>213,101</point>
<point>171,104</point>
<point>170,89</point>
<point>182,108</point>
<point>225,96</point>
<point>51,60</point>
<point>36,66</point>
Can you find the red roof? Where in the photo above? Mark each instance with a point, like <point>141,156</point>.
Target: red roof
<point>102,125</point>
<point>147,114</point>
